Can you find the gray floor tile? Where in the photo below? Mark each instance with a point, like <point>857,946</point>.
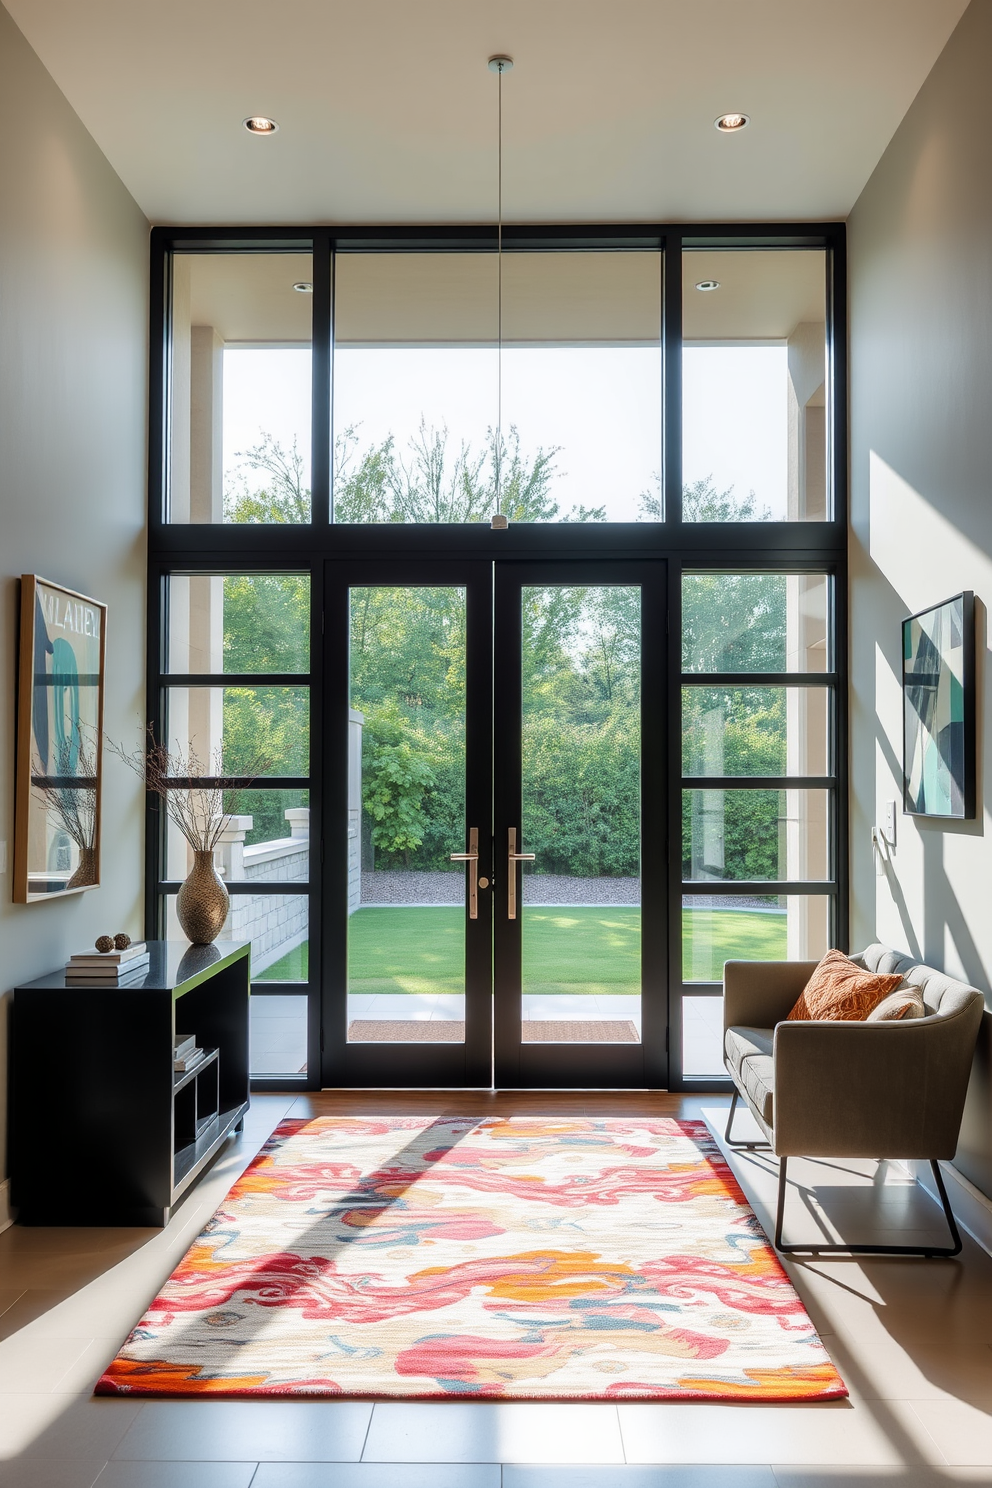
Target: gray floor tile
<point>23,1472</point>
<point>62,1427</point>
<point>82,1374</point>
<point>874,1433</point>
<point>177,1475</point>
<point>29,1363</point>
<point>963,1433</point>
<point>30,1306</point>
<point>862,1477</point>
<point>8,1296</point>
<point>881,1369</point>
<point>493,1432</point>
<point>636,1475</point>
<point>247,1431</point>
<point>377,1475</point>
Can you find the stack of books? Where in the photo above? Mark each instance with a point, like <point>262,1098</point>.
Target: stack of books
<point>187,1055</point>
<point>108,968</point>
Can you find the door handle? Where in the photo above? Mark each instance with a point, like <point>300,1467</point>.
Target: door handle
<point>512,859</point>
<point>472,859</point>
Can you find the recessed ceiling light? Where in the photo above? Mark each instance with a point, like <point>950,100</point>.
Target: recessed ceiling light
<point>731,123</point>
<point>259,124</point>
<point>707,284</point>
<point>303,287</point>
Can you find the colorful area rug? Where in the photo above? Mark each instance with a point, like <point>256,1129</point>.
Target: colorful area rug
<point>521,1258</point>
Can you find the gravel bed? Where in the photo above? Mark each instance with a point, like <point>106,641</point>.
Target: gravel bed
<point>730,901</point>
<point>548,888</point>
<point>539,889</point>
<point>396,888</point>
<point>413,888</point>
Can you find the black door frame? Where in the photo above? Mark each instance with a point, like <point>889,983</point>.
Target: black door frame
<point>492,1053</point>
<point>401,1065</point>
<point>194,548</point>
<point>587,1066</point>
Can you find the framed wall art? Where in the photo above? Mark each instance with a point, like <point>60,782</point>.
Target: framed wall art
<point>59,738</point>
<point>938,691</point>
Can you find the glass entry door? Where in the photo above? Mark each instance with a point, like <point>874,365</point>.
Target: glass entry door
<point>408,970</point>
<point>489,733</point>
<point>579,831</point>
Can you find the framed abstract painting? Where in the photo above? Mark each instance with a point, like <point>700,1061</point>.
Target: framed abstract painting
<point>59,736</point>
<point>938,692</point>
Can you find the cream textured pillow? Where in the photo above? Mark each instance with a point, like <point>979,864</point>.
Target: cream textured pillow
<point>842,991</point>
<point>904,1002</point>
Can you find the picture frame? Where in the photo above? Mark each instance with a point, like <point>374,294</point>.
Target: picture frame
<point>59,774</point>
<point>938,689</point>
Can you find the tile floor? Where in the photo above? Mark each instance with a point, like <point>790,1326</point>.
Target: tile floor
<point>912,1338</point>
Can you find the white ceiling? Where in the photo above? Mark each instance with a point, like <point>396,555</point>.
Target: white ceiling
<point>388,112</point>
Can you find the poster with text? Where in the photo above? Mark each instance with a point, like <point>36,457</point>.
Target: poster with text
<point>60,730</point>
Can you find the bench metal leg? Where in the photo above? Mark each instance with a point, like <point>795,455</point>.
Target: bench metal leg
<point>759,1146</point>
<point>827,1249</point>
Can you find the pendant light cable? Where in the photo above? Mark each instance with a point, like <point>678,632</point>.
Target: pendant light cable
<point>499,289</point>
<point>499,65</point>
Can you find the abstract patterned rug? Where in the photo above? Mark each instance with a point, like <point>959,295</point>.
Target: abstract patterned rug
<point>521,1258</point>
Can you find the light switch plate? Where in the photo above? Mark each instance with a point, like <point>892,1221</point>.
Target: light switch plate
<point>3,857</point>
<point>890,823</point>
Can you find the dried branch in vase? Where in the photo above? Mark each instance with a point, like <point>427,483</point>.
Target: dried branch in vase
<point>69,792</point>
<point>198,800</point>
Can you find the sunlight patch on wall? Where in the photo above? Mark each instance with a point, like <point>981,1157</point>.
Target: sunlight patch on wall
<point>906,532</point>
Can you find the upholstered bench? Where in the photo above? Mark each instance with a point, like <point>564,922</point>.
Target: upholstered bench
<point>828,1088</point>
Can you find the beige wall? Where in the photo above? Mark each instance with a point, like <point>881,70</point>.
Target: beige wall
<point>73,360</point>
<point>921,383</point>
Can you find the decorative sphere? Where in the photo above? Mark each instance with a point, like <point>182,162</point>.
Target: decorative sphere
<point>121,941</point>
<point>105,943</point>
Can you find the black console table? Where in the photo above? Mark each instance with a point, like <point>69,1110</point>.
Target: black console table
<point>102,1129</point>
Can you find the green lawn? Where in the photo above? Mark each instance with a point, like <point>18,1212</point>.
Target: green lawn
<point>574,950</point>
<point>712,936</point>
<point>407,950</point>
<point>293,967</point>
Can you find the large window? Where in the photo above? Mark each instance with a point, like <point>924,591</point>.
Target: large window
<point>331,401</point>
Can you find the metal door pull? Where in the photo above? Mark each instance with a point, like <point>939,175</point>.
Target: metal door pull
<point>512,859</point>
<point>472,859</point>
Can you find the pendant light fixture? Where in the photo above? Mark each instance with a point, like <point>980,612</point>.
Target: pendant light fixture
<point>499,64</point>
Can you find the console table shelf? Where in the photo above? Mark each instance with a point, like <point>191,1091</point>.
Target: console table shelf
<point>103,1130</point>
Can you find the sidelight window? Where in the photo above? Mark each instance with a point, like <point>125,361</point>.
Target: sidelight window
<point>234,702</point>
<point>759,796</point>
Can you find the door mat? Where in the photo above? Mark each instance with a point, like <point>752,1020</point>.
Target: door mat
<point>406,1031</point>
<point>579,1031</point>
<point>532,1031</point>
<point>528,1258</point>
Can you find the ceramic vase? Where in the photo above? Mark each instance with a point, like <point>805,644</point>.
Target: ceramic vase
<point>202,903</point>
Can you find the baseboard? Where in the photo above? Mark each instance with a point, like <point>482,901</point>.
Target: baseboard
<point>972,1209</point>
<point>6,1218</point>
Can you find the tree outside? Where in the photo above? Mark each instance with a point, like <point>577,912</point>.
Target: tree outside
<point>581,658</point>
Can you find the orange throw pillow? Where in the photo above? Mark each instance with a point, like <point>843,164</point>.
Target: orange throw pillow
<point>841,991</point>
